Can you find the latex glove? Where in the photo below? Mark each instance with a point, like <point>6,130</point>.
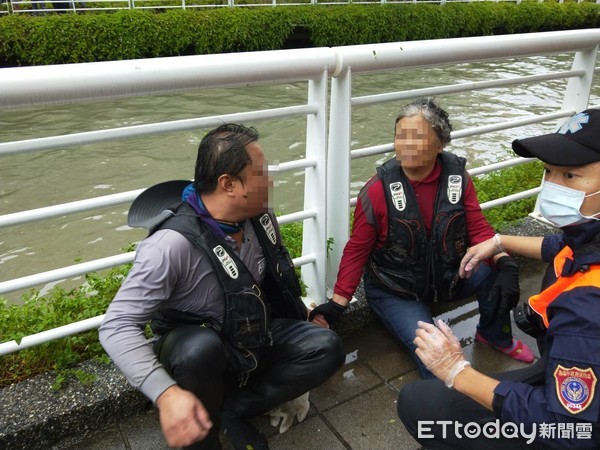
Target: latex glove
<point>440,350</point>
<point>506,288</point>
<point>331,311</point>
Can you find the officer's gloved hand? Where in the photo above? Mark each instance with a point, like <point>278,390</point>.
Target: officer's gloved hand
<point>331,311</point>
<point>506,288</point>
<point>440,350</point>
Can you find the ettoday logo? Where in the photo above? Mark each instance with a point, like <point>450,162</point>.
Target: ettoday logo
<point>506,430</point>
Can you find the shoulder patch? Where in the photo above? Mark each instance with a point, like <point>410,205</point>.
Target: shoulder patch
<point>226,261</point>
<point>398,195</point>
<point>454,188</point>
<point>575,387</point>
<point>265,221</point>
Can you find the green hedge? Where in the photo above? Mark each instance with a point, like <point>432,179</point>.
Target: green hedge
<point>69,38</point>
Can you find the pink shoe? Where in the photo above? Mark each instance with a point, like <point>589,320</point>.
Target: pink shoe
<point>518,350</point>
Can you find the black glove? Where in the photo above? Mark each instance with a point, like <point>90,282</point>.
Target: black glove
<point>506,288</point>
<point>331,310</point>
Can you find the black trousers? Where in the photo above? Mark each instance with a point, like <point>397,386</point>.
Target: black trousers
<point>424,405</point>
<point>302,357</point>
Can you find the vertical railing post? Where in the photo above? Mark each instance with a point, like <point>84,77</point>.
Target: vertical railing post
<point>314,230</point>
<point>577,93</point>
<point>338,171</point>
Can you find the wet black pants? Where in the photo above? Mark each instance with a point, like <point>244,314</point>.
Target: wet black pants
<point>302,357</point>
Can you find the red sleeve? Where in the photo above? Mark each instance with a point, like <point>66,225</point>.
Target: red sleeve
<point>368,233</point>
<point>478,227</point>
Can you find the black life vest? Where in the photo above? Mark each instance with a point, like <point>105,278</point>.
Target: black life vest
<point>248,307</point>
<point>410,262</point>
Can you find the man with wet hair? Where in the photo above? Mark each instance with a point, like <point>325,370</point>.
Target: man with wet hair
<point>413,222</point>
<point>230,335</point>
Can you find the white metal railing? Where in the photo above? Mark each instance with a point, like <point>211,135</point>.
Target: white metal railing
<point>74,6</point>
<point>326,162</point>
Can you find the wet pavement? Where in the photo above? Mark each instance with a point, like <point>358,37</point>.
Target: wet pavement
<point>356,408</point>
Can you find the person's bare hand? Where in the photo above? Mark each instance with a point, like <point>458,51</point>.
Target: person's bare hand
<point>476,255</point>
<point>319,320</point>
<point>183,418</point>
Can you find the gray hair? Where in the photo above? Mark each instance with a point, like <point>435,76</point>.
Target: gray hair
<point>436,116</point>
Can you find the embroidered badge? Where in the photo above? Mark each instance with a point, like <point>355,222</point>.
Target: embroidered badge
<point>267,225</point>
<point>454,188</point>
<point>226,261</point>
<point>398,195</point>
<point>574,124</point>
<point>575,387</point>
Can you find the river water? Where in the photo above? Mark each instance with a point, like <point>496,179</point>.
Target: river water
<point>40,179</point>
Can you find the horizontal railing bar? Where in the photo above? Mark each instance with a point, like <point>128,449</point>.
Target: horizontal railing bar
<point>511,124</point>
<point>48,212</point>
<point>510,198</point>
<point>467,132</point>
<point>65,272</point>
<point>495,202</point>
<point>498,166</point>
<point>90,137</point>
<point>39,85</point>
<point>87,324</point>
<point>296,217</point>
<point>107,263</point>
<point>371,151</point>
<point>50,335</point>
<point>462,87</point>
<point>304,259</point>
<point>482,170</point>
<point>378,57</point>
<point>292,165</point>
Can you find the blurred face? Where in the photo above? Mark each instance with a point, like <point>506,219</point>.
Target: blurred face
<point>583,178</point>
<point>252,188</point>
<point>416,143</point>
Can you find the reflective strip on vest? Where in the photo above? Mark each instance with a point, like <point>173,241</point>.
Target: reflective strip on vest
<point>540,302</point>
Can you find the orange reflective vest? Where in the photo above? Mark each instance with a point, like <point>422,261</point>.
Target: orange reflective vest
<point>586,276</point>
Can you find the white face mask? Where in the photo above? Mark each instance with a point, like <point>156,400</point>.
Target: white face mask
<point>560,205</point>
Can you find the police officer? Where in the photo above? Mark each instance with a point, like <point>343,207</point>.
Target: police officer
<point>554,404</point>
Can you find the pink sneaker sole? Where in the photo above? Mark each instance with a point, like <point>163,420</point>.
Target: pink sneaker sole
<point>518,350</point>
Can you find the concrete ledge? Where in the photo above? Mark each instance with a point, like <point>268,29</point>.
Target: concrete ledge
<point>33,416</point>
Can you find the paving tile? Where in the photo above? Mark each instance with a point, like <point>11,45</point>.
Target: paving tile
<point>349,381</point>
<point>376,346</point>
<point>398,382</point>
<point>143,432</point>
<point>370,422</point>
<point>109,439</point>
<point>313,434</point>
